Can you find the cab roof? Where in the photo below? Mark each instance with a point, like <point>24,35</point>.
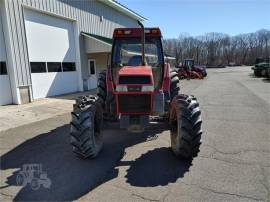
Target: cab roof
<point>136,32</point>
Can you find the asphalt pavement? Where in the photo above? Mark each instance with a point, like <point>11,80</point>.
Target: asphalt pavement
<point>233,164</point>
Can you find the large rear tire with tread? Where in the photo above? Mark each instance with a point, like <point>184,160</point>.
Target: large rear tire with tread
<point>108,100</point>
<point>102,87</point>
<point>175,84</point>
<point>86,126</point>
<point>185,121</point>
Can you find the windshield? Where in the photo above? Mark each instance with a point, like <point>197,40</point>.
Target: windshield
<point>127,52</point>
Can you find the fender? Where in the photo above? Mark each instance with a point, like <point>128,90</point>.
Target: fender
<point>166,82</point>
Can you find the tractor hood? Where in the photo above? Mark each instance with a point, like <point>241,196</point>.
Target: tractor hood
<point>141,75</point>
<point>135,71</point>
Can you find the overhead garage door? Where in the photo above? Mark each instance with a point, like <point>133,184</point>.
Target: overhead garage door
<point>51,49</point>
<point>5,90</point>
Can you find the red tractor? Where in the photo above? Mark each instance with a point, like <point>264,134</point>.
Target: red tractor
<point>191,71</point>
<point>137,85</point>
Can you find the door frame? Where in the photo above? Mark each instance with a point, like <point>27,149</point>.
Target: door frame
<point>95,66</point>
<point>92,78</point>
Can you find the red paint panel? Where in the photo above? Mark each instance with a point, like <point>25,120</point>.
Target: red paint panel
<point>135,71</point>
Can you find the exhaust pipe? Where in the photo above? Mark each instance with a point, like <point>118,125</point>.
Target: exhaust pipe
<point>143,42</point>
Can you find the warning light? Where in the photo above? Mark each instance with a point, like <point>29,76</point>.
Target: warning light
<point>147,31</point>
<point>120,32</point>
<point>127,32</point>
<point>154,31</point>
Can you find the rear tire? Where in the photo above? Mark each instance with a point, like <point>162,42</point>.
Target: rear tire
<point>175,84</point>
<point>86,125</point>
<point>108,100</point>
<point>102,87</point>
<point>185,121</point>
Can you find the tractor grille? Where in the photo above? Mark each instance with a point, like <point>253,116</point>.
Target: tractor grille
<point>139,103</point>
<point>134,80</point>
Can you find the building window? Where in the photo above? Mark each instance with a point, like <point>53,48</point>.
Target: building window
<point>54,66</point>
<point>69,66</point>
<point>3,68</point>
<point>38,67</point>
<point>92,66</point>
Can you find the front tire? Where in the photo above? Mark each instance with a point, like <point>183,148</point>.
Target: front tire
<point>86,125</point>
<point>185,121</point>
<point>21,180</point>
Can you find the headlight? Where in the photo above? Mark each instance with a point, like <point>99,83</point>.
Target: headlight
<point>147,88</point>
<point>121,88</point>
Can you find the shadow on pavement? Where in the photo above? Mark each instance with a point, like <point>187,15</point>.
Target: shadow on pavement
<point>266,80</point>
<point>72,177</point>
<point>73,96</point>
<point>157,167</point>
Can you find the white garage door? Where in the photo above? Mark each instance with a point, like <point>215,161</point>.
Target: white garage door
<point>5,90</point>
<point>51,49</point>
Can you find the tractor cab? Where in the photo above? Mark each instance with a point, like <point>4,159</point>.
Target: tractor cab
<point>188,63</point>
<point>129,52</point>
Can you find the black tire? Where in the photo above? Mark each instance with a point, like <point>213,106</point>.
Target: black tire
<point>175,84</point>
<point>86,126</point>
<point>108,100</point>
<point>257,73</point>
<point>102,87</point>
<point>21,180</point>
<point>185,121</point>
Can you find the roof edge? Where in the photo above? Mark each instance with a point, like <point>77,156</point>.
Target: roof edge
<point>98,38</point>
<point>116,5</point>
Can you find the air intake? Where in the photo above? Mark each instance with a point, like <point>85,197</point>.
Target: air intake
<point>134,80</point>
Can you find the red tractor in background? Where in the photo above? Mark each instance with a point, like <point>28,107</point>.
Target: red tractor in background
<point>137,84</point>
<point>191,71</point>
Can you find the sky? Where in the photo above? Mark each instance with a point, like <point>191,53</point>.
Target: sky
<point>197,17</point>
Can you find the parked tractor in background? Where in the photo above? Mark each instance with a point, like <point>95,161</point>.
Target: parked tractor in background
<point>191,71</point>
<point>136,86</point>
<point>261,68</point>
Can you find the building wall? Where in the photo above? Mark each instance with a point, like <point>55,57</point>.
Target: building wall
<point>2,43</point>
<point>101,60</point>
<point>5,90</point>
<point>91,16</point>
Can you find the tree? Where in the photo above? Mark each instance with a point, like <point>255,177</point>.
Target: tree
<point>218,48</point>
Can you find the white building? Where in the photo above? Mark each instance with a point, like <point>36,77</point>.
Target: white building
<point>53,47</point>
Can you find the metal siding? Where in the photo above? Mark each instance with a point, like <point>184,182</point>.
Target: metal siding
<point>86,13</point>
<point>24,47</point>
<point>19,44</point>
<point>14,42</point>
